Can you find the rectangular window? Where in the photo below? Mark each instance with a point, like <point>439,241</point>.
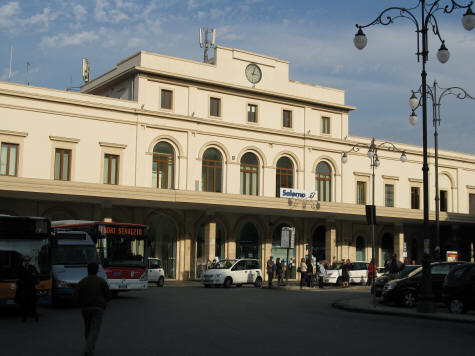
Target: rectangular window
<point>325,125</point>
<point>471,200</point>
<point>415,197</point>
<point>111,169</point>
<point>62,164</point>
<point>361,193</point>
<point>287,118</point>
<point>214,107</point>
<point>166,99</point>
<point>443,200</point>
<point>251,113</point>
<point>8,159</point>
<point>389,195</point>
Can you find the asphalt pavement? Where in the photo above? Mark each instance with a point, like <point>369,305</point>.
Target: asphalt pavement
<point>187,319</point>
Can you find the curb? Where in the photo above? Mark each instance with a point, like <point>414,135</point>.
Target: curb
<point>343,305</point>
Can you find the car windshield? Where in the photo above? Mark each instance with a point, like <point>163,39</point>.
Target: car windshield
<point>224,264</point>
<point>336,265</point>
<point>407,269</point>
<point>74,255</point>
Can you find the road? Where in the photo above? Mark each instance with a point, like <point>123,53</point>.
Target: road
<point>192,320</point>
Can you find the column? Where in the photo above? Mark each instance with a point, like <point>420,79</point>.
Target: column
<point>330,241</point>
<point>399,241</point>
<point>210,241</point>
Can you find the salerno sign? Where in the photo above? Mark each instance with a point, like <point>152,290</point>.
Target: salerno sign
<point>298,194</point>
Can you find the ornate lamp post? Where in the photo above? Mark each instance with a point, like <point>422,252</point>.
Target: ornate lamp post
<point>414,103</point>
<point>427,20</point>
<point>375,162</point>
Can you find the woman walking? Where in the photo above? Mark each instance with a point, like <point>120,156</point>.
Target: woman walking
<point>303,272</point>
<point>345,273</point>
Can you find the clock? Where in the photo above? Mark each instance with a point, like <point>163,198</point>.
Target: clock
<point>253,73</point>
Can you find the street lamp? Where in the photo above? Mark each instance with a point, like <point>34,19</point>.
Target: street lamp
<point>375,163</point>
<point>414,103</point>
<point>427,21</point>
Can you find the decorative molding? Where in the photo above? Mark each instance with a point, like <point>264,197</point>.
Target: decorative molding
<point>415,180</point>
<point>362,174</point>
<point>64,139</point>
<point>112,145</point>
<point>390,177</point>
<point>13,133</point>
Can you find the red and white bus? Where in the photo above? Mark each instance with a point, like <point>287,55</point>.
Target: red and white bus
<point>122,247</point>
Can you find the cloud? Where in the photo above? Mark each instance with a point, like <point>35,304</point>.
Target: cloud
<point>65,40</point>
<point>11,19</point>
<point>80,13</point>
<point>41,19</point>
<point>104,13</point>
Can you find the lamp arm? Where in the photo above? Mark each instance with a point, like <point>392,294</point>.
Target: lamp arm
<point>454,5</point>
<point>391,147</point>
<point>458,92</point>
<point>381,19</point>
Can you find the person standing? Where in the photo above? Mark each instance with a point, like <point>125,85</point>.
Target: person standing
<point>279,270</point>
<point>345,272</point>
<point>303,272</point>
<point>309,273</point>
<point>92,294</point>
<point>371,273</point>
<point>25,296</point>
<point>271,268</point>
<point>321,272</point>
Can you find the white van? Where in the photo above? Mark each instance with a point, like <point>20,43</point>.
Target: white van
<point>155,271</point>
<point>234,271</point>
<point>358,273</point>
<point>71,252</point>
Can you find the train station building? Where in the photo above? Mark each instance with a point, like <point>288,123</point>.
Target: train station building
<point>199,152</point>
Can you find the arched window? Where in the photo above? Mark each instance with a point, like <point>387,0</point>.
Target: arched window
<point>212,171</point>
<point>163,166</point>
<point>360,249</point>
<point>323,181</point>
<point>249,174</point>
<point>284,175</point>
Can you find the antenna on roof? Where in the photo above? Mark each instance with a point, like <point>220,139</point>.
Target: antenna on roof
<point>206,44</point>
<point>86,70</point>
<point>27,72</point>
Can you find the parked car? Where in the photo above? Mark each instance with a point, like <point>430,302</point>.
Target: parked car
<point>459,288</point>
<point>405,291</point>
<point>156,273</point>
<point>234,271</point>
<point>358,273</point>
<point>380,281</point>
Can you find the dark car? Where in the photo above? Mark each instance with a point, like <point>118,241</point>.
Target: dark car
<point>459,288</point>
<point>386,277</point>
<point>405,291</point>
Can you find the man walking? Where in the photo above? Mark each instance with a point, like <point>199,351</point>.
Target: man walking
<point>92,294</point>
<point>271,268</point>
<point>321,271</point>
<point>25,297</point>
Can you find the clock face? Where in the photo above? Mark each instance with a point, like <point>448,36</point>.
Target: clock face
<point>253,73</point>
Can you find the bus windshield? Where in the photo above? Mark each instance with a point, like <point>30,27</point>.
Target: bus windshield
<point>124,251</point>
<point>69,255</point>
<point>13,250</point>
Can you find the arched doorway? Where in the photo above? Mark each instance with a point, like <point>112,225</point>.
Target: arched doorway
<point>281,253</point>
<point>387,247</point>
<point>414,251</point>
<point>247,243</point>
<point>318,243</point>
<point>360,249</point>
<point>163,236</point>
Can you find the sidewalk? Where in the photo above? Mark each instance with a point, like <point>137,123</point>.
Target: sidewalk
<point>365,305</point>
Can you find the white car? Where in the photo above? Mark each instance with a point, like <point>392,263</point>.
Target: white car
<point>230,271</point>
<point>358,273</point>
<point>155,271</point>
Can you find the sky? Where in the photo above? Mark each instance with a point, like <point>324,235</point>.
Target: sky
<point>315,36</point>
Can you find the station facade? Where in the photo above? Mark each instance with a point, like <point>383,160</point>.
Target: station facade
<point>199,152</point>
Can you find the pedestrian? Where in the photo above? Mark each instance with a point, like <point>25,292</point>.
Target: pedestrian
<point>345,273</point>
<point>214,264</point>
<point>395,265</point>
<point>279,270</point>
<point>25,296</point>
<point>92,294</point>
<point>371,273</point>
<point>271,268</point>
<point>321,271</point>
<point>386,266</point>
<point>413,262</point>
<point>309,273</point>
<point>303,272</point>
